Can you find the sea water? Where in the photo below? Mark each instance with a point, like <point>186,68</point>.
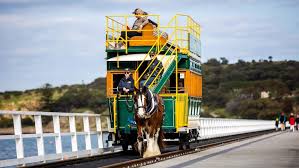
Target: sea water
<point>8,147</point>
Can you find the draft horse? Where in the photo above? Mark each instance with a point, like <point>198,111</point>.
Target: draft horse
<point>149,109</point>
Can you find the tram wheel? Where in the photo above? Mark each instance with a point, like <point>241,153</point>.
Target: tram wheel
<point>124,145</point>
<point>184,141</point>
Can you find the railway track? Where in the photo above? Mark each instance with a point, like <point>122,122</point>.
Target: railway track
<point>130,159</point>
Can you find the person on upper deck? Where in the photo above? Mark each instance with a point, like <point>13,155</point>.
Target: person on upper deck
<point>126,84</point>
<point>141,20</point>
<point>152,71</point>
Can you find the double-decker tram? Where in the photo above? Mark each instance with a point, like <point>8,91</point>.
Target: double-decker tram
<point>179,82</point>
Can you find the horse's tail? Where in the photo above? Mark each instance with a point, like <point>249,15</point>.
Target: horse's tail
<point>161,143</point>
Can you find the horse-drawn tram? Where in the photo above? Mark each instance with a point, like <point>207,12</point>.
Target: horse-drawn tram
<point>153,69</point>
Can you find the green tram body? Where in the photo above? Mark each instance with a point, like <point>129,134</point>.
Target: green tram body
<point>180,107</point>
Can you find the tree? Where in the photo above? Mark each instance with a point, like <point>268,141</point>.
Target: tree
<point>224,61</point>
<point>287,106</point>
<point>241,62</point>
<point>270,58</point>
<point>213,62</point>
<point>47,93</point>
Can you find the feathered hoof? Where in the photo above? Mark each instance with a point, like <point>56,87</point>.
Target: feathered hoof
<point>149,154</point>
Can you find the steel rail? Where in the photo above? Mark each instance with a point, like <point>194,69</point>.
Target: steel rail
<point>59,163</point>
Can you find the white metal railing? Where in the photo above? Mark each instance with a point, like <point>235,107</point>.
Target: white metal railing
<point>219,127</point>
<point>39,135</point>
<point>208,128</point>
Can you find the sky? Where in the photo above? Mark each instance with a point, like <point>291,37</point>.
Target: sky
<point>63,41</point>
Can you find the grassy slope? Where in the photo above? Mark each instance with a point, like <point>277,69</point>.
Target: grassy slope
<point>30,100</point>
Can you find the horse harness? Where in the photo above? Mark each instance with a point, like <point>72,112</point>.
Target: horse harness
<point>152,104</point>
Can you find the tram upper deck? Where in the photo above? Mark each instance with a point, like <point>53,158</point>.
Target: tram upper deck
<point>177,46</point>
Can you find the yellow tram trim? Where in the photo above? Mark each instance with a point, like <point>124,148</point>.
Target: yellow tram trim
<point>114,114</point>
<point>181,113</point>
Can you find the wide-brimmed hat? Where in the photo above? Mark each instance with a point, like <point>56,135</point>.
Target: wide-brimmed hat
<point>137,9</point>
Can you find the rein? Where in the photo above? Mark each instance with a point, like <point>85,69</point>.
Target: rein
<point>129,108</point>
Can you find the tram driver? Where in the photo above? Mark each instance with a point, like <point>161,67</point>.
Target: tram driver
<point>126,84</point>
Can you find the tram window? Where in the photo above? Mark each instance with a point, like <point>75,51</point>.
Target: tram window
<point>191,107</point>
<point>116,80</point>
<point>196,108</point>
<point>181,83</point>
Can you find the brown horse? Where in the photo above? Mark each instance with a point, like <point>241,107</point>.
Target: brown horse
<point>149,111</point>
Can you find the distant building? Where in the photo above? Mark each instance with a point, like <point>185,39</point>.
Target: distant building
<point>265,94</point>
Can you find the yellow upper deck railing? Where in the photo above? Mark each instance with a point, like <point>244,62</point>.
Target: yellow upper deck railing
<point>118,24</point>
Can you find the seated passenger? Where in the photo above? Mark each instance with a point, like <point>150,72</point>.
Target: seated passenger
<point>138,25</point>
<point>126,84</point>
<point>164,90</point>
<point>181,88</point>
<point>151,70</point>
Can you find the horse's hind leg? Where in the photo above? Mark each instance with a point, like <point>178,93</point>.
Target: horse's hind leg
<point>157,134</point>
<point>156,145</point>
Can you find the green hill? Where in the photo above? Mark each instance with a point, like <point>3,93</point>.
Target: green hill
<point>67,98</point>
<point>234,90</point>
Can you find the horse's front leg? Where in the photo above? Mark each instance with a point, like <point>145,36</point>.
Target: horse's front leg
<point>152,148</point>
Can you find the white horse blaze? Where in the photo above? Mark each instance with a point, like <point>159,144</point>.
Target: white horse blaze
<point>140,102</point>
<point>152,148</point>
